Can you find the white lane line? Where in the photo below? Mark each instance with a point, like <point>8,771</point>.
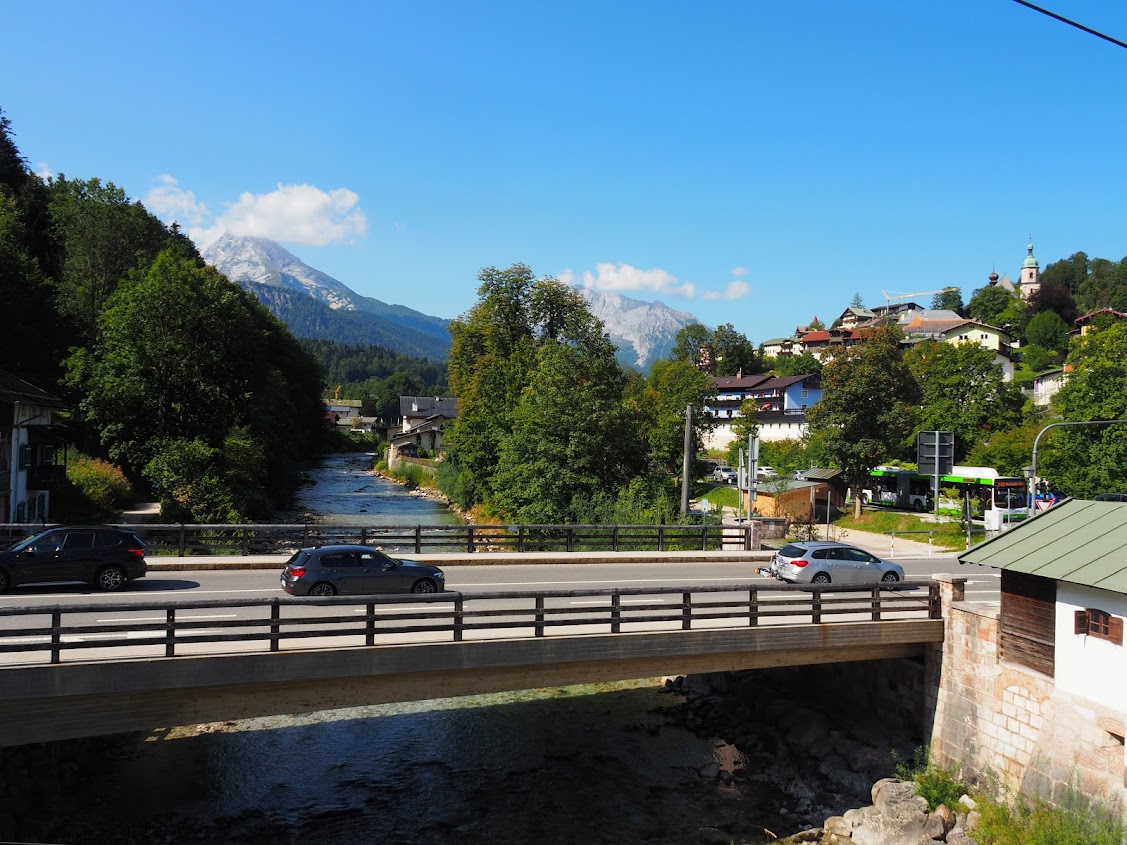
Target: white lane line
<point>163,618</point>
<point>437,610</point>
<point>609,581</point>
<point>624,601</point>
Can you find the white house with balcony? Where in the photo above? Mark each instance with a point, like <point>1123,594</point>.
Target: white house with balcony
<point>781,404</point>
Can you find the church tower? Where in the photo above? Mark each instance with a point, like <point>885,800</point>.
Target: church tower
<point>1030,275</point>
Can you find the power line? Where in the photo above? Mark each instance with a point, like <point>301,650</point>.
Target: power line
<point>1086,29</point>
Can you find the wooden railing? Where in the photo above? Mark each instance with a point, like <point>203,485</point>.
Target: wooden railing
<point>261,538</point>
<point>145,630</point>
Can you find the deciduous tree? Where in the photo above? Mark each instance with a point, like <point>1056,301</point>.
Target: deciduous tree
<point>962,390</point>
<point>1091,459</point>
<point>864,415</point>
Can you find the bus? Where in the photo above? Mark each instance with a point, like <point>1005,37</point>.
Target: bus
<point>899,488</point>
<point>1002,500</point>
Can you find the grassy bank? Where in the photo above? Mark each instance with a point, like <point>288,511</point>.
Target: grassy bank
<point>948,535</point>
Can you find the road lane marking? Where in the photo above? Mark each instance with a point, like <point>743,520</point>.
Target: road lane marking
<point>624,601</point>
<point>165,619</point>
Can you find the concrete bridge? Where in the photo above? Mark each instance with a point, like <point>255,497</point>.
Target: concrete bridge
<point>77,676</point>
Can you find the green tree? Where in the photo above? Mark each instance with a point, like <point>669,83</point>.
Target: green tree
<point>570,437</point>
<point>1009,451</point>
<point>988,304</point>
<point>950,299</point>
<point>537,383</point>
<point>796,365</point>
<point>1047,330</point>
<point>962,390</point>
<point>693,343</point>
<point>1037,358</point>
<point>864,415</point>
<point>1070,273</point>
<point>857,301</point>
<point>102,237</point>
<point>184,356</point>
<point>1054,298</point>
<point>26,294</point>
<point>733,353</point>
<point>669,389</point>
<point>1091,459</point>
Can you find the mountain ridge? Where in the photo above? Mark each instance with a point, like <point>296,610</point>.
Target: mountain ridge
<point>315,305</point>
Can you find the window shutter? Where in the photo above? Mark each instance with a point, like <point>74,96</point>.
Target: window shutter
<point>1117,630</point>
<point>1081,624</point>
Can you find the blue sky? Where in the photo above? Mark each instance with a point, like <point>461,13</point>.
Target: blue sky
<point>750,162</point>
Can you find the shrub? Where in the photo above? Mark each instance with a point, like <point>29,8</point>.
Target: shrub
<point>935,785</point>
<point>1078,819</point>
<point>99,481</point>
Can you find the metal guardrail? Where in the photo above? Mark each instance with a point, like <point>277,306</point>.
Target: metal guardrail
<point>453,615</point>
<point>261,538</point>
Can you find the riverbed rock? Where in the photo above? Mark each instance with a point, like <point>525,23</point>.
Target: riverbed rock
<point>939,823</point>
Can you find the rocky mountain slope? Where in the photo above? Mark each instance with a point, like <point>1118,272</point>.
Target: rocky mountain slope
<point>314,304</point>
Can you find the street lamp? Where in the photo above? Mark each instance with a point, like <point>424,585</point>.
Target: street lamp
<point>1037,439</point>
<point>1030,474</point>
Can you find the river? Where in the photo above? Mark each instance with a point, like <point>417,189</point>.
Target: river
<point>612,763</point>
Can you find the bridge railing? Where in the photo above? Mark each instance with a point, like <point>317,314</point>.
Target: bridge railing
<point>123,631</point>
<point>260,538</point>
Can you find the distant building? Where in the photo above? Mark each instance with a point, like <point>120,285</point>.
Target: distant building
<point>1029,281</point>
<point>423,429</point>
<point>32,452</point>
<point>781,404</point>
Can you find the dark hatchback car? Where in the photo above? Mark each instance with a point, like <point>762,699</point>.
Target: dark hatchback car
<point>357,570</point>
<point>108,558</point>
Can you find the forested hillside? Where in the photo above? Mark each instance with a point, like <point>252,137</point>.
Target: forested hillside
<point>170,371</point>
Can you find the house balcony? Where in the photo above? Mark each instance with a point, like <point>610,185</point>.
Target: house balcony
<point>46,476</point>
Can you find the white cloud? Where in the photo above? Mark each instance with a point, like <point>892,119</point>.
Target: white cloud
<point>44,172</point>
<point>300,214</point>
<point>735,290</point>
<point>621,277</point>
<point>169,202</point>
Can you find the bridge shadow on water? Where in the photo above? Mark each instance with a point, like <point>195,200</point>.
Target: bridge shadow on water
<point>613,763</point>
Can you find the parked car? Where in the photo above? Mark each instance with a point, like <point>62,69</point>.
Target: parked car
<point>824,562</point>
<point>724,474</point>
<point>106,557</point>
<point>765,472</point>
<point>357,570</point>
<point>1111,497</point>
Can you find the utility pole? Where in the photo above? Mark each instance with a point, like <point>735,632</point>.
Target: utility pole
<point>687,469</point>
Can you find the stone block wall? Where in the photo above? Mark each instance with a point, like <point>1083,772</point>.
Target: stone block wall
<point>1009,727</point>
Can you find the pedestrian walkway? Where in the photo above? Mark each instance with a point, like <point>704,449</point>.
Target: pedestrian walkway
<point>886,546</point>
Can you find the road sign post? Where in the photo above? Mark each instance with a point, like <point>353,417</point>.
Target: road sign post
<point>935,456</point>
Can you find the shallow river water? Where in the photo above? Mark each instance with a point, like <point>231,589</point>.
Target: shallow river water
<point>586,764</point>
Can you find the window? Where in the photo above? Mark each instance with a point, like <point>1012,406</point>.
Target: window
<point>25,456</point>
<point>79,540</point>
<point>1099,624</point>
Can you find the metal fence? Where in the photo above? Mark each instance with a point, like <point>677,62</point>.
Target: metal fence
<point>251,539</point>
<point>124,631</point>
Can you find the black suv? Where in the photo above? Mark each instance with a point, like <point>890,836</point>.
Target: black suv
<point>104,557</point>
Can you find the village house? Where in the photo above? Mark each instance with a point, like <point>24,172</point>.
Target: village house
<point>32,452</point>
<point>781,403</point>
<point>424,421</point>
<point>1038,701</point>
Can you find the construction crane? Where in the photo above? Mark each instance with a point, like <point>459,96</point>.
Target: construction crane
<point>891,295</point>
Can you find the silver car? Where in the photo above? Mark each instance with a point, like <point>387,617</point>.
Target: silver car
<point>825,562</point>
<point>724,474</point>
